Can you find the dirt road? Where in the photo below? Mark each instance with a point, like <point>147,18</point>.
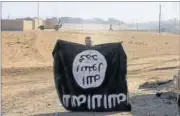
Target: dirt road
<point>27,80</point>
<point>34,93</point>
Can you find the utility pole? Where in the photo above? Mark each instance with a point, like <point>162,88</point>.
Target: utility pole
<point>81,25</point>
<point>179,39</point>
<point>8,16</point>
<point>160,18</point>
<point>136,26</point>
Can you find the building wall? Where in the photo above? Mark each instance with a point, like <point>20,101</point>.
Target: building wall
<point>27,25</point>
<point>35,23</point>
<point>12,25</point>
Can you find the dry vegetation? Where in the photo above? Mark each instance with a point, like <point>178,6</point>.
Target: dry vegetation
<point>27,81</point>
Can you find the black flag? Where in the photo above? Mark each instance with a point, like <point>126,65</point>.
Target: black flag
<point>91,78</point>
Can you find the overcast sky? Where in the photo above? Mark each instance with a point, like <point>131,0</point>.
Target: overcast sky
<point>129,12</point>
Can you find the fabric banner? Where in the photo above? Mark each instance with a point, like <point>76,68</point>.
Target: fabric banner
<point>91,78</point>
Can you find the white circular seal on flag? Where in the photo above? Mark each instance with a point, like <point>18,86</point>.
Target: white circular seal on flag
<point>89,68</point>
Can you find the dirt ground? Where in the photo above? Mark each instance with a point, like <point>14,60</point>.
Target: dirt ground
<point>27,78</point>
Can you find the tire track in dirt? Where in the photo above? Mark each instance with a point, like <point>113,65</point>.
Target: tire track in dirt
<point>34,50</point>
<point>27,70</point>
<point>153,56</point>
<point>27,88</point>
<point>152,67</point>
<point>20,82</point>
<point>24,70</point>
<point>19,97</point>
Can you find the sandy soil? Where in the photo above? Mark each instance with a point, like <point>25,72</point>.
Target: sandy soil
<point>27,78</point>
